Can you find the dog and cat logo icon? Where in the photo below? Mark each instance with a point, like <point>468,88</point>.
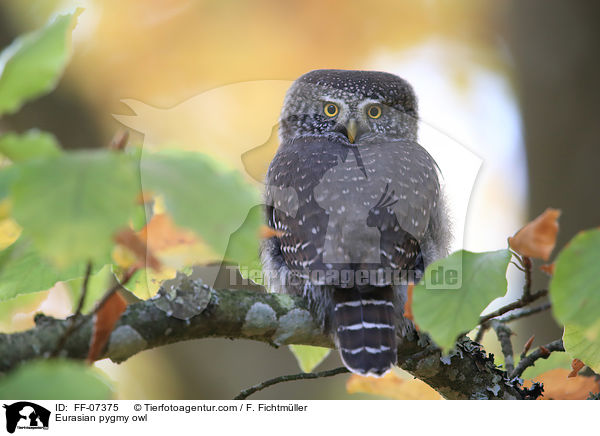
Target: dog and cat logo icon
<point>26,415</point>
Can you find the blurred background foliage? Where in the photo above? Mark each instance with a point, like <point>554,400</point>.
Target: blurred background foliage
<point>514,82</point>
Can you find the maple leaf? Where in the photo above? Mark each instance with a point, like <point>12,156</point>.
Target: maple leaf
<point>538,237</point>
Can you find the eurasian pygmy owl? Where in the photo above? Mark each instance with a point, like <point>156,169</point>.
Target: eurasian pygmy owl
<point>357,209</point>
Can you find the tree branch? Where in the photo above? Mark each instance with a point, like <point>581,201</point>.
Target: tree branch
<point>521,302</point>
<point>504,333</point>
<point>511,317</point>
<point>73,324</point>
<point>540,353</point>
<point>466,373</point>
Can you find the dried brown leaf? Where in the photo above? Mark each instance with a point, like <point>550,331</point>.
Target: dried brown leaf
<point>548,268</point>
<point>527,345</point>
<point>267,232</point>
<point>538,237</point>
<point>105,319</point>
<point>576,366</point>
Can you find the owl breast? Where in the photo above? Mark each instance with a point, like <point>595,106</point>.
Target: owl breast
<point>341,207</point>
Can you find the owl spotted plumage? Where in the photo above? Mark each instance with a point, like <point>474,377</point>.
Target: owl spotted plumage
<point>358,209</point>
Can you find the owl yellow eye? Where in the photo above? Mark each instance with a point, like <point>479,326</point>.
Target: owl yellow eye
<point>374,111</point>
<point>330,109</point>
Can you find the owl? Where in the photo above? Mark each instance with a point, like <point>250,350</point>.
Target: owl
<point>356,209</point>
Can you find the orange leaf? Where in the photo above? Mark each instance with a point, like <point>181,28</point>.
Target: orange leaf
<point>129,239</point>
<point>576,365</point>
<point>104,322</point>
<point>557,385</point>
<point>408,305</point>
<point>548,268</point>
<point>392,386</point>
<point>538,237</point>
<point>267,232</point>
<point>161,233</point>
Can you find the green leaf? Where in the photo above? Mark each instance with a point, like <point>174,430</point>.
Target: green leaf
<point>8,175</point>
<point>71,205</point>
<point>29,145</point>
<point>24,303</point>
<point>55,379</point>
<point>444,310</point>
<point>308,356</point>
<point>23,271</point>
<point>32,65</point>
<point>210,200</point>
<point>575,286</point>
<point>583,344</point>
<point>242,244</point>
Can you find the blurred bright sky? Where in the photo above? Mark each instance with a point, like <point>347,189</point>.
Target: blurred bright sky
<point>481,115</point>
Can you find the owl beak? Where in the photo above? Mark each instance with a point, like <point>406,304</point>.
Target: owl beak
<point>351,130</point>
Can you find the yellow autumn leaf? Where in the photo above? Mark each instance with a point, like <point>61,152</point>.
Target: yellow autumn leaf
<point>392,386</point>
<point>9,232</point>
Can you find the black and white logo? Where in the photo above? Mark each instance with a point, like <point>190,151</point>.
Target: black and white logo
<point>26,415</point>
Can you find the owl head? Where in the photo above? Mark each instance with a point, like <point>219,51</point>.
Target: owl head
<point>349,106</point>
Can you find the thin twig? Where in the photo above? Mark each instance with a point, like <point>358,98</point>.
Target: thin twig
<point>504,333</point>
<point>527,265</point>
<point>285,378</point>
<point>482,329</point>
<point>72,324</point>
<point>511,317</point>
<point>526,312</point>
<point>521,302</point>
<point>117,286</point>
<point>541,352</point>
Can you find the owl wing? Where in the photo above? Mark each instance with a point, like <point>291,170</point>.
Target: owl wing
<point>408,181</point>
<point>291,209</point>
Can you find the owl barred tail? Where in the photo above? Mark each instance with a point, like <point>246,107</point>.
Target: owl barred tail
<point>364,322</point>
